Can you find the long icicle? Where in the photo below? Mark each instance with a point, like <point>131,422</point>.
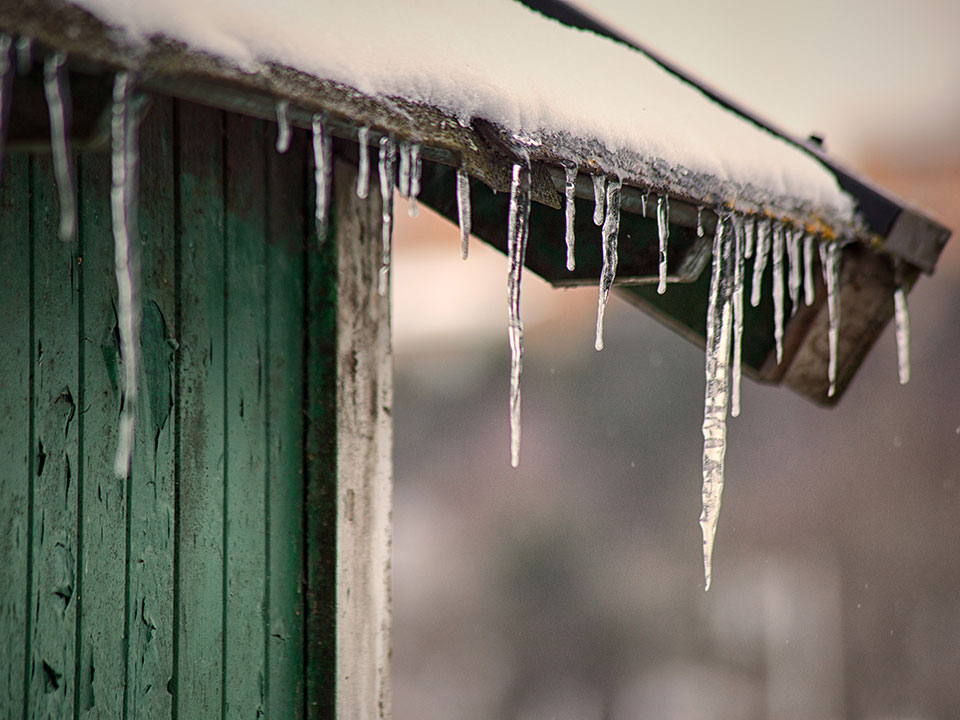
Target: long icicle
<point>760,261</point>
<point>570,191</point>
<point>363,163</point>
<point>830,264</point>
<point>284,130</point>
<point>611,229</point>
<point>463,210</point>
<point>416,167</point>
<point>738,258</point>
<point>58,102</point>
<point>6,85</point>
<point>902,317</point>
<point>716,394</point>
<point>517,228</point>
<point>123,207</point>
<point>388,156</point>
<point>599,195</point>
<point>778,288</point>
<point>663,231</point>
<point>321,176</point>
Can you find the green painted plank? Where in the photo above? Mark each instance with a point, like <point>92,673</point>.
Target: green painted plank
<point>15,361</point>
<point>320,463</point>
<point>244,416</point>
<point>287,234</point>
<point>56,386</point>
<point>150,487</point>
<point>103,503</point>
<point>200,391</point>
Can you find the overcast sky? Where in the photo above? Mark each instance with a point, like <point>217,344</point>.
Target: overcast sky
<point>862,72</point>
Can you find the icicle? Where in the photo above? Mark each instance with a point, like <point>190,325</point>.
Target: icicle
<point>643,204</point>
<point>284,132</point>
<point>403,185</point>
<point>778,242</point>
<point>570,190</point>
<point>6,85</point>
<point>58,100</point>
<point>611,228</point>
<point>517,227</point>
<point>463,210</point>
<point>902,318</point>
<point>749,233</point>
<point>321,176</point>
<point>663,230</point>
<point>793,257</point>
<point>363,171</point>
<point>599,194</point>
<point>830,264</point>
<point>738,255</point>
<point>388,156</point>
<point>716,394</point>
<point>416,168</point>
<point>123,207</point>
<point>699,220</point>
<point>808,269</point>
<point>24,55</point>
<point>760,261</point>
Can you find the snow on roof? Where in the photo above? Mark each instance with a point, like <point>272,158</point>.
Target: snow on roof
<point>501,62</point>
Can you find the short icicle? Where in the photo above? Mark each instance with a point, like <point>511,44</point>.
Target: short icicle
<point>24,47</point>
<point>830,264</point>
<point>716,395</point>
<point>793,238</point>
<point>517,227</point>
<point>599,196</point>
<point>611,229</point>
<point>570,191</point>
<point>738,261</point>
<point>902,318</point>
<point>123,209</point>
<point>643,204</point>
<point>699,220</point>
<point>749,235</point>
<point>363,162</point>
<point>463,210</point>
<point>416,167</point>
<point>284,131</point>
<point>58,102</point>
<point>6,85</point>
<point>403,173</point>
<point>321,176</point>
<point>808,288</point>
<point>663,231</point>
<point>760,261</point>
<point>388,156</point>
<point>778,242</point>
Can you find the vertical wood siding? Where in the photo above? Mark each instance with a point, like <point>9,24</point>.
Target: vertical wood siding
<point>204,585</point>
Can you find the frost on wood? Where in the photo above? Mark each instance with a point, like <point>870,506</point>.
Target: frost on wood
<point>123,207</point>
<point>611,229</point>
<point>463,210</point>
<point>719,316</point>
<point>517,228</point>
<point>58,102</point>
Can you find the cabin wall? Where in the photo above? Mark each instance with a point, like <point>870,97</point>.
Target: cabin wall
<point>206,584</point>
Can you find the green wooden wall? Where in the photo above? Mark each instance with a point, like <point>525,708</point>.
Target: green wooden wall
<point>202,586</point>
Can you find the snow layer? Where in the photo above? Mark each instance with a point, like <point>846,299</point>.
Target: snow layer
<point>496,60</point>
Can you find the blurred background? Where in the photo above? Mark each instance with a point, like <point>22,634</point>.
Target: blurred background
<point>572,587</point>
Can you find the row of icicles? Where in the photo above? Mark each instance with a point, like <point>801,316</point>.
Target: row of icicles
<point>737,238</point>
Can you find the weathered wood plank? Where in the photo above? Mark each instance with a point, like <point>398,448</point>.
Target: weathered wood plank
<point>150,591</point>
<point>103,502</point>
<point>244,662</point>
<point>288,232</point>
<point>201,376</point>
<point>56,385</point>
<point>364,447</point>
<point>15,394</point>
